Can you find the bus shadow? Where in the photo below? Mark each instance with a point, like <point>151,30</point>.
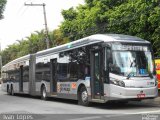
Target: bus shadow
<point>129,105</point>
<point>50,99</point>
<point>24,96</point>
<point>62,100</point>
<point>108,105</point>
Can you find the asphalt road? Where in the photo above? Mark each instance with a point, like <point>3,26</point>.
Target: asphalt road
<point>33,108</point>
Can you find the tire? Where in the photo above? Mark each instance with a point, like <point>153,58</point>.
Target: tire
<point>43,93</point>
<point>83,97</point>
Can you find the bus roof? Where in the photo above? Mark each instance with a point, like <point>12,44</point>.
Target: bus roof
<point>18,60</point>
<point>119,37</point>
<point>97,38</point>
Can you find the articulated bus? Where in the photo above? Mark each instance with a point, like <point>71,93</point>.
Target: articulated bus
<point>98,68</point>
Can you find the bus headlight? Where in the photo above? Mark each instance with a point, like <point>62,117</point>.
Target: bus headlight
<point>117,82</point>
<point>121,83</point>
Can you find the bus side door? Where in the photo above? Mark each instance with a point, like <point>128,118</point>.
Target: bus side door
<point>96,74</point>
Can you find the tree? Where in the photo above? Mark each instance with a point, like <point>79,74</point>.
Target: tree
<point>87,19</point>
<point>58,38</point>
<point>10,53</point>
<point>2,6</point>
<point>35,42</point>
<point>133,17</point>
<point>138,18</point>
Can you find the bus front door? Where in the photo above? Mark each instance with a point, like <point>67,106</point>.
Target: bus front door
<point>96,74</point>
<point>53,82</point>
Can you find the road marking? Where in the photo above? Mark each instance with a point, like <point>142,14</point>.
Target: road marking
<point>115,115</point>
<point>87,118</point>
<point>145,112</point>
<point>100,116</point>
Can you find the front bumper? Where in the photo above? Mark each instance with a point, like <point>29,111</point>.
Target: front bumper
<point>117,93</point>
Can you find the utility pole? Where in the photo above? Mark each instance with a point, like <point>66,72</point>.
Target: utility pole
<point>45,20</point>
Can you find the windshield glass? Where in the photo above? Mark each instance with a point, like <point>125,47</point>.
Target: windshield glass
<point>137,63</point>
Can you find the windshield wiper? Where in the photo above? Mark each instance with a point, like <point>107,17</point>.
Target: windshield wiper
<point>130,75</point>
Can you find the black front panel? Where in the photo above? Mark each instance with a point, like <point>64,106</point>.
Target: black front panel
<point>53,82</point>
<point>21,79</point>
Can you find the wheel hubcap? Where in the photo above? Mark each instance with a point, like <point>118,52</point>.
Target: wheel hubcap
<point>84,96</point>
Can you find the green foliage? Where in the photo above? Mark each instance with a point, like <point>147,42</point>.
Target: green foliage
<point>2,6</point>
<point>69,14</point>
<point>138,18</point>
<point>10,53</point>
<point>89,18</point>
<point>58,38</point>
<point>133,17</point>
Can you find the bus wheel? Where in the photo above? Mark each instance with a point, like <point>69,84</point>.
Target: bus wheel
<point>43,93</point>
<point>12,91</point>
<point>83,97</point>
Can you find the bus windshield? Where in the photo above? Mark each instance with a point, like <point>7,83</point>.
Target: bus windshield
<point>134,63</point>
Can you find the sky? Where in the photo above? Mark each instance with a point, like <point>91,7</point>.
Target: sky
<point>20,20</point>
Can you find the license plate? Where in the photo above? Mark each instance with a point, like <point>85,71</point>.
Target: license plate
<point>140,95</point>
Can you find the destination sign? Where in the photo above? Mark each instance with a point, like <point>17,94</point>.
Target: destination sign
<point>129,47</point>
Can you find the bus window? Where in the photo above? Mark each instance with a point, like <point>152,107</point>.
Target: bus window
<point>38,76</point>
<point>62,71</point>
<point>62,67</point>
<point>79,62</point>
<point>46,75</point>
<point>73,71</point>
